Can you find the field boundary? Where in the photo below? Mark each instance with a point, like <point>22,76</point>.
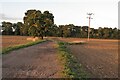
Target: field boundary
<point>8,49</point>
<point>72,69</point>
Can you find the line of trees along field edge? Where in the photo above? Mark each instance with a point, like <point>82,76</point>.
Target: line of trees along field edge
<point>38,24</point>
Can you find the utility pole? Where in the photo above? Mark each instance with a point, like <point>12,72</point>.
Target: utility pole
<point>89,17</point>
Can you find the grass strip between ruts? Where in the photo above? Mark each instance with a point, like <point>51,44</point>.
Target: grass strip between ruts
<point>72,69</point>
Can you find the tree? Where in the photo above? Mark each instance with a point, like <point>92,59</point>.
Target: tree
<point>48,21</point>
<point>18,27</point>
<point>84,32</point>
<point>29,20</point>
<point>100,32</point>
<point>118,33</point>
<point>37,23</point>
<point>7,28</point>
<point>65,31</point>
<point>115,33</point>
<point>1,30</point>
<point>53,31</point>
<point>77,31</point>
<point>105,33</point>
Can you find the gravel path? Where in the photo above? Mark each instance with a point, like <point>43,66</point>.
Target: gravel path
<point>38,61</point>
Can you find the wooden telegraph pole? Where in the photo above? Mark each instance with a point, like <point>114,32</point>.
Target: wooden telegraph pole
<point>89,17</point>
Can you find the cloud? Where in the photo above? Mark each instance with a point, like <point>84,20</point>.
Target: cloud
<point>5,17</point>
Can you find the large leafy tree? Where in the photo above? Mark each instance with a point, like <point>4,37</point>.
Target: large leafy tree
<point>37,23</point>
<point>28,21</point>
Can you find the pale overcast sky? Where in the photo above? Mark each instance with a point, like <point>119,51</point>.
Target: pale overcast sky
<point>65,11</point>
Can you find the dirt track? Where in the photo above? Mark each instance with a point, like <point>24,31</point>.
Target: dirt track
<point>39,61</point>
<point>98,57</point>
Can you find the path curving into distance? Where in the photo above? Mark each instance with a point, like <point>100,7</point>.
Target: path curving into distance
<point>38,61</point>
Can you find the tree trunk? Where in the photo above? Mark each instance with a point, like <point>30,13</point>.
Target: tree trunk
<point>41,37</point>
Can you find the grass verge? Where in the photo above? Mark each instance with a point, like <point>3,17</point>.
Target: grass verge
<point>8,49</point>
<point>72,69</point>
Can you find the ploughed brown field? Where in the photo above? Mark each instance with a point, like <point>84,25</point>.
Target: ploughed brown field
<point>99,57</point>
<point>8,41</point>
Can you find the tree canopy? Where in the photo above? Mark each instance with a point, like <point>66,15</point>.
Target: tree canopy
<point>37,23</point>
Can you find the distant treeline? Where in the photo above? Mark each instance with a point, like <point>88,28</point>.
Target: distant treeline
<point>41,24</point>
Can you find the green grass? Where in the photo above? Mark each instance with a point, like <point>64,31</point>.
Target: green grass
<point>8,49</point>
<point>72,69</point>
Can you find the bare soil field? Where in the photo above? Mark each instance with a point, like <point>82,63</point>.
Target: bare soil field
<point>8,41</point>
<point>99,57</point>
<point>82,39</point>
<point>38,61</point>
